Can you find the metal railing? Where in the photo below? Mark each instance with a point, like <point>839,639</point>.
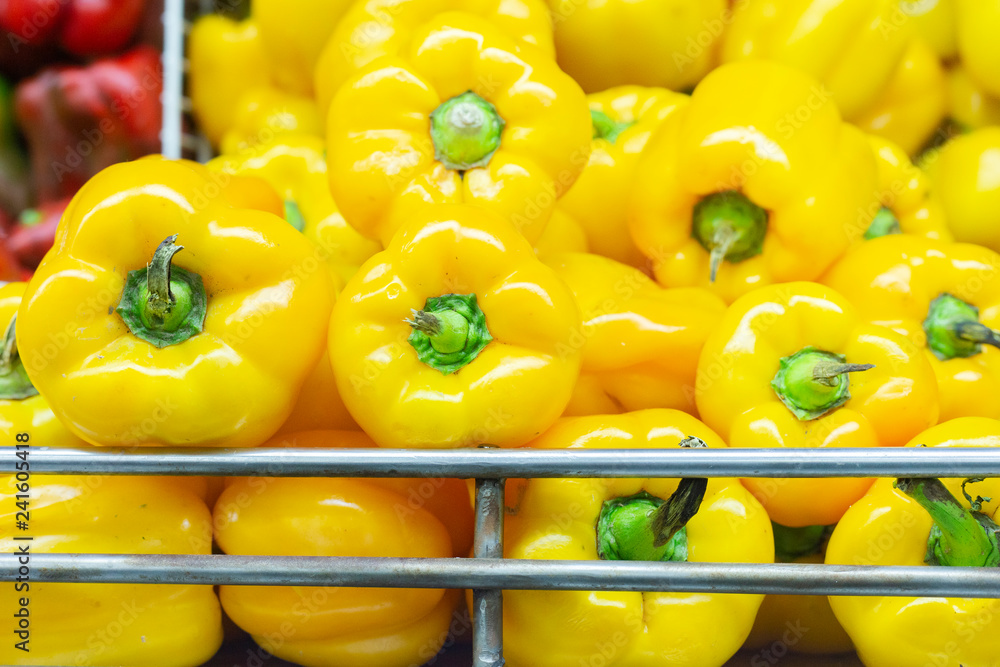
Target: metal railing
<point>488,573</point>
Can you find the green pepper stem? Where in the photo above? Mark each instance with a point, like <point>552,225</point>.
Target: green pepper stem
<point>812,382</point>
<point>449,332</point>
<point>953,329</point>
<point>792,543</point>
<point>961,537</point>
<point>465,131</point>
<point>8,354</point>
<point>976,332</point>
<point>729,226</point>
<point>883,224</point>
<point>828,371</point>
<point>680,507</point>
<point>424,322</point>
<point>14,381</point>
<point>161,300</point>
<point>606,128</point>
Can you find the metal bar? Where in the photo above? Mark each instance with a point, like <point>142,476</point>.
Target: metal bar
<point>521,463</point>
<point>173,77</point>
<point>511,574</point>
<point>487,603</point>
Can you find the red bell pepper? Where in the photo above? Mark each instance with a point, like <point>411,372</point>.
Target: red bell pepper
<point>35,232</point>
<point>79,120</point>
<point>81,27</point>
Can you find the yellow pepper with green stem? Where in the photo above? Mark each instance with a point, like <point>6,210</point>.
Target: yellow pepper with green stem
<point>755,181</point>
<point>623,120</point>
<point>206,348</point>
<point>946,299</point>
<point>640,342</point>
<point>622,520</point>
<point>795,365</point>
<point>924,522</point>
<point>463,114</point>
<point>455,335</point>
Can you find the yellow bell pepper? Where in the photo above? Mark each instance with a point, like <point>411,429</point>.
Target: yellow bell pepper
<point>666,43</point>
<point>465,115</point>
<point>640,342</point>
<point>349,627</point>
<point>209,348</point>
<point>139,625</point>
<point>292,34</point>
<point>227,60</point>
<point>610,519</point>
<point>455,336</point>
<point>265,112</point>
<point>319,407</point>
<point>946,299</point>
<point>905,204</point>
<point>968,104</point>
<point>978,24</point>
<point>295,166</point>
<point>562,234</point>
<point>375,28</point>
<point>934,23</point>
<point>791,366</point>
<point>913,103</point>
<point>851,46</point>
<point>623,120</point>
<point>913,522</point>
<point>966,176</point>
<point>755,181</point>
<point>22,409</point>
<point>798,623</point>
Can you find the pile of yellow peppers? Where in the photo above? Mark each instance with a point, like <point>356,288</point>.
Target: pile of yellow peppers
<point>628,224</point>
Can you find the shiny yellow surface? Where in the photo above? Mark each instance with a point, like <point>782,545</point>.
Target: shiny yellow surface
<point>556,519</point>
<point>381,157</point>
<point>772,133</point>
<point>801,623</point>
<point>231,385</point>
<point>295,166</point>
<point>886,527</point>
<point>934,23</point>
<point>966,176</point>
<point>905,190</point>
<point>30,415</point>
<point>888,404</point>
<point>293,34</point>
<point>265,112</point>
<point>562,234</point>
<point>227,60</point>
<point>517,386</point>
<point>640,342</point>
<point>599,198</point>
<point>892,280</point>
<point>353,627</point>
<point>139,625</point>
<point>968,104</point>
<point>913,103</point>
<point>668,43</point>
<point>319,406</point>
<point>852,47</point>
<point>978,23</point>
<point>376,28</point>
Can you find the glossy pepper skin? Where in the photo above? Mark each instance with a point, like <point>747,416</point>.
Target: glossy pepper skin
<point>904,198</point>
<point>781,154</point>
<point>375,28</point>
<point>30,414</point>
<point>623,120</point>
<point>77,120</point>
<point>319,406</point>
<point>386,159</point>
<point>80,27</point>
<point>352,627</point>
<point>227,60</point>
<point>913,103</point>
<point>851,46</point>
<point>640,342</point>
<point>556,519</point>
<point>265,112</point>
<point>293,33</point>
<point>670,43</point>
<point>295,166</point>
<point>887,527</point>
<point>969,105</point>
<point>501,387</point>
<point>562,234</point>
<point>977,24</point>
<point>230,384</point>
<point>966,175</point>
<point>894,280</point>
<point>738,387</point>
<point>124,624</point>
